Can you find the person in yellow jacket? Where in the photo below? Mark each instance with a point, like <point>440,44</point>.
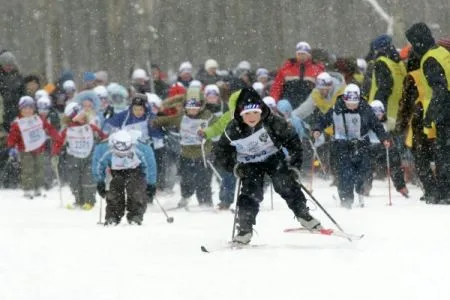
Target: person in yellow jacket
<point>435,67</point>
<point>416,97</point>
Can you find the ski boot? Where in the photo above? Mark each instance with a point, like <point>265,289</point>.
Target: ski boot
<point>404,191</point>
<point>347,203</point>
<point>243,237</point>
<point>111,222</point>
<point>183,203</point>
<point>28,195</point>
<point>223,206</point>
<point>87,206</point>
<point>135,220</point>
<point>246,220</point>
<point>308,221</point>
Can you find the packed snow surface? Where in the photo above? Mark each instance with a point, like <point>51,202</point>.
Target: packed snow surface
<point>51,253</point>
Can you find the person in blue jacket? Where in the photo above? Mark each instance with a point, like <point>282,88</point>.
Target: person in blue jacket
<point>133,170</point>
<point>352,119</point>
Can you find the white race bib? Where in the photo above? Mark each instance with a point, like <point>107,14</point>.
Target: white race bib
<point>255,148</point>
<point>140,126</point>
<point>188,130</point>
<point>80,140</point>
<point>124,163</point>
<point>353,124</point>
<point>32,131</point>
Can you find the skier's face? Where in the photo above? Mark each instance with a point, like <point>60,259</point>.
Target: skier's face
<point>27,111</point>
<point>251,118</point>
<point>302,56</point>
<point>324,91</point>
<point>87,105</point>
<point>351,105</point>
<point>192,111</point>
<point>138,110</point>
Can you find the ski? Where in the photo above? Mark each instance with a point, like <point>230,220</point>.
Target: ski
<point>327,231</point>
<point>231,246</point>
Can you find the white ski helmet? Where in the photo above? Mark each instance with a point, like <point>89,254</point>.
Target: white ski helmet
<point>69,86</point>
<point>270,101</point>
<point>377,107</point>
<point>352,94</point>
<point>72,109</point>
<point>101,91</point>
<point>139,74</point>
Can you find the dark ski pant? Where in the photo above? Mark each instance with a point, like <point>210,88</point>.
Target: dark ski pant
<point>161,165</point>
<point>378,164</point>
<point>252,189</point>
<point>423,156</point>
<point>127,190</point>
<point>195,178</point>
<point>442,161</point>
<point>80,180</point>
<point>227,186</point>
<point>353,167</point>
<point>32,170</point>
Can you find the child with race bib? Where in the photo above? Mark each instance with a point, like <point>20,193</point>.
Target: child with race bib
<point>80,137</point>
<point>195,177</point>
<point>27,135</point>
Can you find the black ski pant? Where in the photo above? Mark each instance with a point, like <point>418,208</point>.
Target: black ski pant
<point>252,189</point>
<point>423,156</point>
<point>443,162</point>
<point>195,178</point>
<point>161,165</point>
<point>127,190</point>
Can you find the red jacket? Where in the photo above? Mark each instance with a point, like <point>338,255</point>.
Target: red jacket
<point>291,70</point>
<point>15,137</point>
<point>97,131</point>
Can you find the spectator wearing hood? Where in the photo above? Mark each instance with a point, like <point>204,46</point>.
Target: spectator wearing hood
<point>435,68</point>
<point>11,87</point>
<point>387,77</point>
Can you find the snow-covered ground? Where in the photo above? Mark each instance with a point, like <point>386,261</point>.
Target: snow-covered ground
<point>51,253</point>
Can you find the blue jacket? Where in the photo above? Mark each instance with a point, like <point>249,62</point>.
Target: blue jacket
<point>285,107</point>
<point>126,117</point>
<point>101,160</point>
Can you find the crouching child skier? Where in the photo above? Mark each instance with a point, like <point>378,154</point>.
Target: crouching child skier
<point>352,119</point>
<point>133,171</point>
<point>251,146</point>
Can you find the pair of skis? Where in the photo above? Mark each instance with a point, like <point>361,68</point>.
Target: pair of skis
<point>325,232</point>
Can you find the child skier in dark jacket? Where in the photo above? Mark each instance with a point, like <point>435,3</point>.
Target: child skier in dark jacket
<point>252,146</point>
<point>352,119</point>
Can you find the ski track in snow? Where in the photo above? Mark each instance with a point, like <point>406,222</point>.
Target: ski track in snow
<point>47,252</point>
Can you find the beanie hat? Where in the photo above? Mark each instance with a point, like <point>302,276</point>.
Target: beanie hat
<point>102,76</point>
<point>139,100</point>
<point>261,72</point>
<point>270,101</point>
<point>72,109</point>
<point>26,101</point>
<point>248,101</point>
<point>303,47</point>
<point>121,142</point>
<point>69,86</point>
<point>88,76</point>
<point>324,80</point>
<point>139,74</point>
<point>44,104</point>
<point>420,37</point>
<point>193,98</point>
<point>211,89</point>
<point>362,64</point>
<point>195,84</point>
<point>211,63</point>
<point>7,58</point>
<point>258,86</point>
<point>352,94</point>
<point>154,99</point>
<point>101,91</point>
<point>185,67</point>
<point>176,89</point>
<point>244,65</point>
<point>88,95</point>
<point>381,42</point>
<point>377,107</point>
<point>40,93</point>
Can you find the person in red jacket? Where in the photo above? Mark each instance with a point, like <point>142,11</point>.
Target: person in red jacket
<point>296,78</point>
<point>80,136</point>
<point>27,136</point>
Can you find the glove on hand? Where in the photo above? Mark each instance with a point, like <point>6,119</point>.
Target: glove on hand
<point>238,170</point>
<point>101,189</point>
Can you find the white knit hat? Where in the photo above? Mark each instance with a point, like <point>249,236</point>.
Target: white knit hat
<point>26,101</point>
<point>303,47</point>
<point>185,67</point>
<point>139,74</point>
<point>352,94</point>
<point>211,63</point>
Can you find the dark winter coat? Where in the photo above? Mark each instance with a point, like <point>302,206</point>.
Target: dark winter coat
<point>281,133</point>
<point>206,78</point>
<point>12,87</point>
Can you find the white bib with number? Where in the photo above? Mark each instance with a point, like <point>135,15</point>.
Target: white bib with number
<point>353,123</point>
<point>188,130</point>
<point>80,140</point>
<point>33,133</point>
<point>255,148</point>
<point>124,163</point>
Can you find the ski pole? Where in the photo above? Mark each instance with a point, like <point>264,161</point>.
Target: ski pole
<point>388,164</point>
<point>58,179</point>
<point>236,196</point>
<point>168,219</point>
<point>271,195</point>
<point>318,203</point>
<point>204,153</point>
<point>100,211</point>
<point>214,170</point>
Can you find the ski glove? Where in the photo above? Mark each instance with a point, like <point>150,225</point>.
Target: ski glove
<point>238,170</point>
<point>296,162</point>
<point>101,189</point>
<point>151,191</point>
